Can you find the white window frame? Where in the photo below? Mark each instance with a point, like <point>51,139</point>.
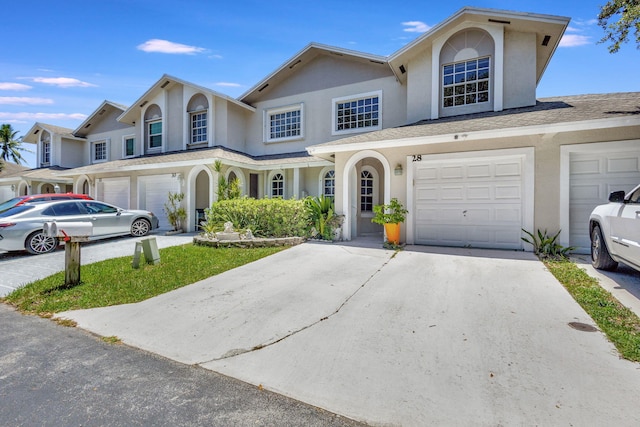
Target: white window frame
<point>94,145</point>
<point>375,190</point>
<point>46,153</point>
<point>124,146</point>
<point>465,83</point>
<point>321,181</point>
<point>352,98</point>
<point>272,176</point>
<point>149,135</point>
<point>192,114</point>
<point>283,110</point>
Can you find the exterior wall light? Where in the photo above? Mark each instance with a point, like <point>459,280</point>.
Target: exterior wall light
<point>398,170</point>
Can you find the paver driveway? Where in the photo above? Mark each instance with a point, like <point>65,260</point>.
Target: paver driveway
<point>421,337</point>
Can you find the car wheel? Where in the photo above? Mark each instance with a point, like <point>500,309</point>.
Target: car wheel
<point>600,257</point>
<point>37,243</point>
<point>140,227</point>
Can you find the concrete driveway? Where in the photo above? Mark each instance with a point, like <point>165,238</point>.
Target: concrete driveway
<point>18,269</point>
<point>422,337</point>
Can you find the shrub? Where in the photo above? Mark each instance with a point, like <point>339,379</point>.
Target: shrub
<point>174,210</point>
<point>321,213</point>
<point>264,217</point>
<point>546,246</point>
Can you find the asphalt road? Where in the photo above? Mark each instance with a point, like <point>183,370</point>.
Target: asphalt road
<point>52,375</point>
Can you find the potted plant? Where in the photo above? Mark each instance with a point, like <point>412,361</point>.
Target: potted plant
<point>390,216</point>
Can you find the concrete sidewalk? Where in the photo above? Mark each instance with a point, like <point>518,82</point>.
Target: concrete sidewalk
<point>422,337</point>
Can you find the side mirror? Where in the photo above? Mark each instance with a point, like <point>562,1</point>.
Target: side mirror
<point>616,197</point>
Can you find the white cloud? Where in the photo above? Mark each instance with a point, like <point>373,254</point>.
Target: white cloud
<point>228,84</point>
<point>42,116</point>
<point>13,86</point>
<point>416,27</point>
<point>24,100</point>
<point>573,40</point>
<point>62,82</point>
<point>165,46</point>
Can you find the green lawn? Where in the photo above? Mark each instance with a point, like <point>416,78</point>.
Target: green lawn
<point>620,324</point>
<point>114,281</point>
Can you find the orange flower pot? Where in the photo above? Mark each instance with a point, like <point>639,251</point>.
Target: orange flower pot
<point>393,233</point>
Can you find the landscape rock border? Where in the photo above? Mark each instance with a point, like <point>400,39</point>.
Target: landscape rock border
<point>248,243</point>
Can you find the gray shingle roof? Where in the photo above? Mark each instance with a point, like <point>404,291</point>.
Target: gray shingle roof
<point>547,111</point>
<point>193,157</point>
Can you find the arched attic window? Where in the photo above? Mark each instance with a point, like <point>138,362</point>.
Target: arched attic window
<point>467,73</point>
<point>198,110</point>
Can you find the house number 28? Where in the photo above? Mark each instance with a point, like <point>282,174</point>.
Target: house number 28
<point>417,157</point>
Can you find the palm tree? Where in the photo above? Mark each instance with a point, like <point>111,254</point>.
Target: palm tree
<point>10,145</point>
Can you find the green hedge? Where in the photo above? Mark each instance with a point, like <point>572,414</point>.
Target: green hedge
<point>264,217</point>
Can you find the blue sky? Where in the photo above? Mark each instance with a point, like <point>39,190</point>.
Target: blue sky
<point>61,59</point>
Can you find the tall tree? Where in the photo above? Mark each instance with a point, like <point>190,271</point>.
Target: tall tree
<point>627,15</point>
<point>10,145</point>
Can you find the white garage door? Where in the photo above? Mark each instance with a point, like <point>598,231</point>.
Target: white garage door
<point>114,191</point>
<point>154,193</point>
<point>474,202</point>
<point>6,193</point>
<point>593,176</point>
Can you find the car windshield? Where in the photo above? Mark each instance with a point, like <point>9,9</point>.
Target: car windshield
<point>9,203</point>
<point>15,210</point>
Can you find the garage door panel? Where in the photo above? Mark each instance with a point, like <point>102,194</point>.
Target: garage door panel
<point>479,193</point>
<point>508,169</point>
<point>114,191</point>
<point>621,165</point>
<point>452,172</point>
<point>469,202</point>
<point>479,171</point>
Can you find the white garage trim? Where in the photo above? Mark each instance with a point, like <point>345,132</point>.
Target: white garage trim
<point>527,176</point>
<point>566,152</point>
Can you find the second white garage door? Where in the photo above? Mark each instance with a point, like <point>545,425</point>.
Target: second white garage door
<point>593,175</point>
<point>154,193</point>
<point>474,202</point>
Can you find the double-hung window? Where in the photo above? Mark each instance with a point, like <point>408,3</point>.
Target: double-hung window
<point>466,82</point>
<point>284,124</point>
<point>129,146</point>
<point>155,134</point>
<point>46,153</point>
<point>357,113</point>
<point>99,151</point>
<point>199,127</point>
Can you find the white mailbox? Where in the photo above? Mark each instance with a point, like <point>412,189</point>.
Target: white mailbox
<point>68,229</point>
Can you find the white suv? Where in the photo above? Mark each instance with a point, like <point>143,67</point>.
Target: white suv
<point>615,231</point>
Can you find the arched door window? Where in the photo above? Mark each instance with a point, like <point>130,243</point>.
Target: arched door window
<point>329,184</point>
<point>277,185</point>
<point>366,191</point>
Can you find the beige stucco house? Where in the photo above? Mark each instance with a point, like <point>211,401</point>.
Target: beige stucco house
<point>450,125</point>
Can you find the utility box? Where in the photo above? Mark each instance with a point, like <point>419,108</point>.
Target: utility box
<point>149,247</point>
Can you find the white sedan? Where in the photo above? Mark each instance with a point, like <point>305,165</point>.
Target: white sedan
<point>21,227</point>
<point>615,231</point>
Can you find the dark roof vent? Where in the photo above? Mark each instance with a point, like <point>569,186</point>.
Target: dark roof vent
<point>499,21</point>
<point>545,41</point>
<point>263,87</point>
<point>402,69</point>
